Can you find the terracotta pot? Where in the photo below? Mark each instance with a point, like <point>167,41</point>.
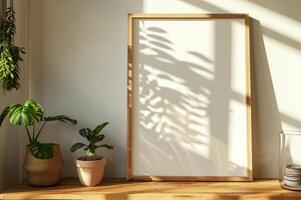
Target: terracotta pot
<point>44,172</point>
<point>90,172</point>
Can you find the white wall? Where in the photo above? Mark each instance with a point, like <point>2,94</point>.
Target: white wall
<point>78,56</point>
<point>10,164</point>
<point>78,67</point>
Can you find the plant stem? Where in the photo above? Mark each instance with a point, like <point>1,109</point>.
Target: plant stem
<point>28,134</point>
<point>33,131</point>
<point>40,130</point>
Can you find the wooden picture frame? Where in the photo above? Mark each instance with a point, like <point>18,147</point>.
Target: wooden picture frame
<point>247,174</point>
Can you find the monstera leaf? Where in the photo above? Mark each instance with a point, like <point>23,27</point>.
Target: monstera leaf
<point>26,114</point>
<point>38,109</point>
<point>41,150</point>
<point>21,115</point>
<point>4,114</point>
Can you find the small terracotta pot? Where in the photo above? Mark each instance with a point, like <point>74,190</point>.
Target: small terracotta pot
<point>90,172</point>
<point>44,172</point>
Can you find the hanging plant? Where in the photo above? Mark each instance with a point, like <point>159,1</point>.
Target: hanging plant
<point>10,55</point>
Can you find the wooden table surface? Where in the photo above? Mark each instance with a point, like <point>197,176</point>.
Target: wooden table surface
<point>123,190</point>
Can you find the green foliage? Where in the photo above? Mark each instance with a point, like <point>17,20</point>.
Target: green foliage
<point>93,137</point>
<point>10,55</point>
<point>61,118</point>
<point>4,114</point>
<point>77,146</point>
<point>29,115</point>
<point>41,150</point>
<point>26,114</point>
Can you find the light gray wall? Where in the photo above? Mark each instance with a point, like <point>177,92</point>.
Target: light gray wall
<point>78,67</point>
<point>10,162</point>
<point>78,56</point>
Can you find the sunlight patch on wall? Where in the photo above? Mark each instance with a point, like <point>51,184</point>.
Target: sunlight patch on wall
<point>169,6</point>
<point>268,18</point>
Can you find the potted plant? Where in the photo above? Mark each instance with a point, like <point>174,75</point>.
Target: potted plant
<point>10,55</point>
<point>43,161</point>
<point>90,168</point>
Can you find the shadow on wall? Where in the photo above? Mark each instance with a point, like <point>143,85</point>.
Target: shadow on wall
<point>9,148</point>
<point>262,90</point>
<point>289,9</point>
<point>182,101</point>
<point>266,116</point>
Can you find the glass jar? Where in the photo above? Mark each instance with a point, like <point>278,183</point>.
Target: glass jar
<point>290,160</point>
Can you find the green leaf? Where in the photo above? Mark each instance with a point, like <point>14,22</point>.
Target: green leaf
<point>99,128</point>
<point>10,55</point>
<point>21,115</point>
<point>93,137</point>
<point>90,150</point>
<point>13,108</point>
<point>99,138</point>
<point>25,115</point>
<point>105,146</point>
<point>38,109</point>
<point>77,146</point>
<point>41,150</point>
<point>61,118</point>
<point>4,114</point>
<point>86,133</point>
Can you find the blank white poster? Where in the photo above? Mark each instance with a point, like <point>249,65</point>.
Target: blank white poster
<point>189,98</point>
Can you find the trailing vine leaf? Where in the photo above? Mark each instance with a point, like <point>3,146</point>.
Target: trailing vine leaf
<point>10,55</point>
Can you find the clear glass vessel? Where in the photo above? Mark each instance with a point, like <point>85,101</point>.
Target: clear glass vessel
<point>290,159</point>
